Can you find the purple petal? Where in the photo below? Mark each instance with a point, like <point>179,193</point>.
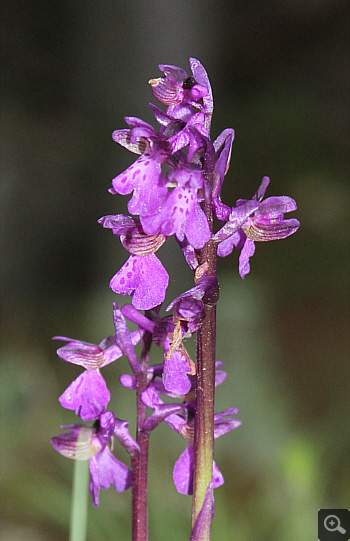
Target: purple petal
<point>218,478</point>
<point>87,395</point>
<point>135,316</point>
<point>237,218</point>
<point>78,444</point>
<point>181,215</point>
<point>222,211</point>
<point>161,413</point>
<point>202,78</point>
<point>81,353</point>
<point>197,228</point>
<point>106,427</point>
<point>122,434</point>
<point>105,469</point>
<point>189,253</point>
<point>128,381</point>
<point>124,338</point>
<point>136,122</point>
<point>223,147</point>
<point>206,289</point>
<point>220,377</point>
<point>247,251</point>
<point>162,118</point>
<point>226,246</point>
<point>151,399</point>
<point>223,425</point>
<point>177,74</point>
<point>123,137</point>
<point>175,378</point>
<point>183,472</point>
<point>145,178</point>
<point>262,189</point>
<point>145,278</point>
<point>267,228</point>
<point>119,223</point>
<point>276,205</point>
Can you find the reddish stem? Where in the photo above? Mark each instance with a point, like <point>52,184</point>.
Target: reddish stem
<point>139,461</point>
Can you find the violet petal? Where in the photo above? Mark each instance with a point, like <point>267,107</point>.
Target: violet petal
<point>88,395</point>
<point>105,470</point>
<point>145,278</point>
<point>183,472</point>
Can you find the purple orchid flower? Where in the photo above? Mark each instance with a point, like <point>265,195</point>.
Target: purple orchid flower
<point>131,234</point>
<point>88,395</point>
<point>256,221</point>
<point>144,278</point>
<point>181,92</point>
<point>177,366</point>
<point>144,177</point>
<point>178,91</point>
<point>143,275</point>
<point>183,423</point>
<point>187,318</point>
<point>181,214</point>
<point>82,443</point>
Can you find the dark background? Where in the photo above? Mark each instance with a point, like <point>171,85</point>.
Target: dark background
<point>280,74</point>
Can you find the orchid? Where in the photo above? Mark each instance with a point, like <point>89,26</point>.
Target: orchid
<point>175,187</point>
<point>92,444</point>
<point>88,394</point>
<point>256,221</point>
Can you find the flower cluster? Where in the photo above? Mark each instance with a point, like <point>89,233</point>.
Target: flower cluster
<point>177,176</point>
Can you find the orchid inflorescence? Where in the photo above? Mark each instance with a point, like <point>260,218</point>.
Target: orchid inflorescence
<point>176,186</point>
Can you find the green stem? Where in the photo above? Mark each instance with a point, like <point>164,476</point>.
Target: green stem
<point>204,422</point>
<point>79,508</point>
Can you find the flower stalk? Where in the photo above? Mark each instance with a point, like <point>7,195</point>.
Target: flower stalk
<point>176,184</point>
<point>204,421</point>
<point>139,461</point>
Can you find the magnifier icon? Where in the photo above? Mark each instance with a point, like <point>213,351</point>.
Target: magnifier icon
<point>332,524</point>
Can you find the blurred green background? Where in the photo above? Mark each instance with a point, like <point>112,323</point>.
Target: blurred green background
<point>280,74</point>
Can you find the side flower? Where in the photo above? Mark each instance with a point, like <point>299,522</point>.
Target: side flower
<point>255,221</point>
<point>182,422</point>
<point>93,444</point>
<point>88,395</point>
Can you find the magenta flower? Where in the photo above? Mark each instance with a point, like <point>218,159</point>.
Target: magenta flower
<point>256,221</point>
<point>88,395</point>
<point>144,278</point>
<point>92,444</point>
<point>144,177</point>
<point>182,422</point>
<point>181,214</point>
<point>179,91</point>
